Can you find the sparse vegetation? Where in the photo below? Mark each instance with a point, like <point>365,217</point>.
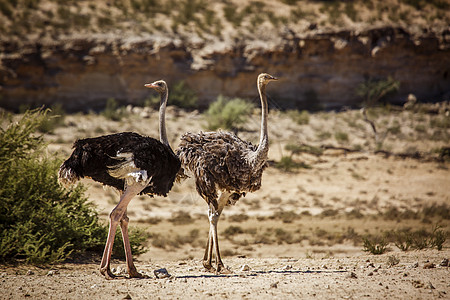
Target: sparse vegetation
<point>203,18</point>
<point>288,164</point>
<point>375,245</point>
<point>41,221</point>
<point>182,96</point>
<point>228,114</point>
<point>113,111</point>
<point>299,117</point>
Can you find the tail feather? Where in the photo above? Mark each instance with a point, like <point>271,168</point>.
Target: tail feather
<point>71,170</point>
<point>67,175</point>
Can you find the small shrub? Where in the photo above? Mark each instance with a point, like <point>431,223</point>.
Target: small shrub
<point>299,117</point>
<point>373,90</point>
<point>420,239</point>
<point>287,164</point>
<point>438,238</point>
<point>239,218</point>
<point>112,110</point>
<point>181,218</point>
<point>285,216</point>
<point>182,96</point>
<point>341,137</point>
<point>297,149</point>
<point>329,213</point>
<point>55,118</point>
<point>228,114</point>
<point>403,240</point>
<point>375,245</point>
<point>231,231</point>
<point>283,236</point>
<point>323,135</point>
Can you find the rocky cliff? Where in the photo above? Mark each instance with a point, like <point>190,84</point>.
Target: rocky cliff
<point>320,69</point>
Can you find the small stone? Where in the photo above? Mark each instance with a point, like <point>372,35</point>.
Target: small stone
<point>120,271</point>
<point>428,266</point>
<point>287,267</point>
<point>414,265</point>
<point>370,265</point>
<point>274,285</point>
<point>370,274</point>
<point>352,275</point>
<point>444,263</point>
<point>417,284</point>
<point>93,286</point>
<point>127,296</point>
<point>245,268</point>
<point>430,286</point>
<point>161,273</point>
<point>52,272</point>
<point>324,267</point>
<point>30,272</point>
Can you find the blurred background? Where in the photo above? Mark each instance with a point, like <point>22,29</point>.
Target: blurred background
<point>359,123</point>
<point>81,53</point>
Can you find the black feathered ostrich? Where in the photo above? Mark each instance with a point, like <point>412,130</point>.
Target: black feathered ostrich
<point>222,162</point>
<point>131,163</point>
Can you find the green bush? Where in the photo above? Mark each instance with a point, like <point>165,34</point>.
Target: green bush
<point>55,118</point>
<point>228,114</point>
<point>41,222</point>
<point>182,96</point>
<point>112,110</point>
<point>287,164</point>
<point>376,245</point>
<point>373,90</point>
<point>299,117</point>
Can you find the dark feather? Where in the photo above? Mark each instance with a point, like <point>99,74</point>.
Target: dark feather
<point>219,161</point>
<point>93,157</point>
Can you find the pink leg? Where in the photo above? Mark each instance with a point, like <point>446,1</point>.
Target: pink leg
<point>114,218</point>
<point>132,271</point>
<point>213,241</point>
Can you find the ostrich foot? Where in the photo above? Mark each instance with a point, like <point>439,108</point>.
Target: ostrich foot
<point>208,266</point>
<point>107,273</point>
<point>221,269</point>
<point>133,273</point>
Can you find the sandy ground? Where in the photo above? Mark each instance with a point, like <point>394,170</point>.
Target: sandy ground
<point>308,262</point>
<point>356,277</point>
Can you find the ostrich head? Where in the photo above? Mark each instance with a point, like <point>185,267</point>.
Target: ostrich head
<point>265,78</point>
<point>160,86</point>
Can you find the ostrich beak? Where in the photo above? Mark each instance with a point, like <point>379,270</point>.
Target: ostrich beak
<point>150,85</point>
<point>274,78</point>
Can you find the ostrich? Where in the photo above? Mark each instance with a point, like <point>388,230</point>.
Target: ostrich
<point>131,163</point>
<point>221,161</point>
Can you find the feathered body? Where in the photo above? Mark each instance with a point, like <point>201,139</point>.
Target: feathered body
<point>131,163</point>
<point>221,161</point>
<point>111,159</point>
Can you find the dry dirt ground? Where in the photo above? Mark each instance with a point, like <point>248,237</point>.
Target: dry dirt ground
<point>300,235</point>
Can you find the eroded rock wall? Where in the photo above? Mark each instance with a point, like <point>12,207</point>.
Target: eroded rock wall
<point>320,70</point>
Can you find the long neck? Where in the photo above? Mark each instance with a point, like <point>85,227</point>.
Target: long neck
<point>263,147</point>
<point>162,119</point>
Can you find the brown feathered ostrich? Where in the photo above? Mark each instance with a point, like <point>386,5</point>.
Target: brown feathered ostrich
<point>222,162</point>
<point>131,163</point>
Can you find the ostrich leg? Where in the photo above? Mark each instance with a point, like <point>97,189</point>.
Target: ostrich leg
<point>213,241</point>
<point>132,271</point>
<point>115,218</point>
